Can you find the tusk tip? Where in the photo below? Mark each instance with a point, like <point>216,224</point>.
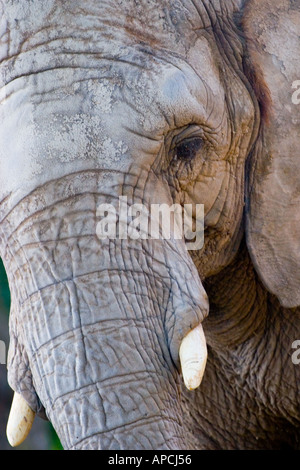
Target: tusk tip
<point>12,440</point>
<point>20,421</point>
<point>193,357</point>
<point>192,379</point>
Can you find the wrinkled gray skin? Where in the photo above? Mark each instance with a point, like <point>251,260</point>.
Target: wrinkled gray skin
<point>96,97</point>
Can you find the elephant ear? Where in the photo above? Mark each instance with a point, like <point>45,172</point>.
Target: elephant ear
<point>273,205</point>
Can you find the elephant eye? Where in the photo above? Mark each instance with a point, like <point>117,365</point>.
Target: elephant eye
<point>187,150</point>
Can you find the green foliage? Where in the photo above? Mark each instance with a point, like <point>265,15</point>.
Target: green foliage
<point>4,290</point>
<point>55,442</point>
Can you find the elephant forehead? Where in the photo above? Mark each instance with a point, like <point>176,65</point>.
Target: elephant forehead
<point>103,38</point>
<point>96,26</point>
<point>159,22</point>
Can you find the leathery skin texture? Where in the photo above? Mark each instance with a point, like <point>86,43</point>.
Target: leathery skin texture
<point>160,102</point>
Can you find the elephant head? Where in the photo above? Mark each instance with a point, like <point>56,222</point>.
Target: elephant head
<point>151,103</point>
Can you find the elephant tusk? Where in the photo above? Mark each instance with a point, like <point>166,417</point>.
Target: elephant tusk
<point>20,421</point>
<point>193,356</point>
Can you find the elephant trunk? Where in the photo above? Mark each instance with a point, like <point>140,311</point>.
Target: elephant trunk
<point>110,384</point>
<point>102,323</point>
<point>119,398</point>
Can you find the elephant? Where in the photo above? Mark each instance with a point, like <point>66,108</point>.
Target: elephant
<point>139,343</point>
